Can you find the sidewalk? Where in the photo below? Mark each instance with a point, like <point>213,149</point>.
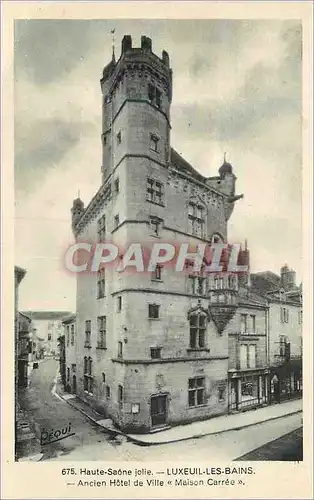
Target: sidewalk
<point>215,425</point>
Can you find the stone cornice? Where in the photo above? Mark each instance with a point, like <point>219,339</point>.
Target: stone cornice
<point>183,359</point>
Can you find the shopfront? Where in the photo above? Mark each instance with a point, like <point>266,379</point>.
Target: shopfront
<point>248,389</point>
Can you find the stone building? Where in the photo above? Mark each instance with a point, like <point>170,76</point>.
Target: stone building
<point>48,326</point>
<point>69,325</point>
<point>19,274</point>
<point>153,347</point>
<point>284,299</point>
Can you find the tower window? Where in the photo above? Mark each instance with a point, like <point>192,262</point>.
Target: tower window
<point>154,140</point>
<point>153,311</point>
<point>120,350</point>
<point>101,334</point>
<point>156,274</point>
<point>155,224</point>
<point>155,192</point>
<point>101,228</point>
<point>119,303</point>
<point>101,279</point>
<point>154,95</point>
<point>158,98</point>
<point>155,352</point>
<point>88,331</point>
<point>117,185</point>
<point>116,221</point>
<point>119,137</point>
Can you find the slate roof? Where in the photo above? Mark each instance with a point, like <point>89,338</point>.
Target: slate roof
<point>178,162</point>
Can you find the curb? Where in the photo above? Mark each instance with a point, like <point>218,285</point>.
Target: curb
<point>108,429</point>
<point>140,442</point>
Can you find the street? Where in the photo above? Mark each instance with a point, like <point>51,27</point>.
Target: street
<point>93,444</point>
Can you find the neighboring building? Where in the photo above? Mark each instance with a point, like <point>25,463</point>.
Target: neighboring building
<point>62,362</point>
<point>69,325</point>
<point>24,349</point>
<point>37,345</point>
<point>285,331</point>
<point>48,325</point>
<point>19,274</point>
<point>153,348</point>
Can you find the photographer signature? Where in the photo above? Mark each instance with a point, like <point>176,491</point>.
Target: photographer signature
<point>53,435</point>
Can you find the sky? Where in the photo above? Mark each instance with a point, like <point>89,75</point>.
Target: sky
<point>236,89</point>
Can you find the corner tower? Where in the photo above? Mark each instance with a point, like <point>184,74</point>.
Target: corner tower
<point>136,93</point>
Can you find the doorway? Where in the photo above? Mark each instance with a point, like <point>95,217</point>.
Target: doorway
<point>158,409</point>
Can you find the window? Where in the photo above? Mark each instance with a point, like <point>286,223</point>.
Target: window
<point>68,374</point>
<point>282,345</point>
<point>156,275</point>
<point>88,329</point>
<point>74,368</point>
<point>101,228</point>
<point>247,356</point>
<point>252,356</point>
<point>198,323</point>
<point>120,350</point>
<point>197,285</point>
<point>154,140</point>
<point>284,315</point>
<point>103,377</point>
<point>101,340</point>
<point>196,391</point>
<point>72,335</point>
<point>253,323</point>
<point>154,95</point>
<point>243,356</point>
<point>101,283</point>
<point>158,98</point>
<point>116,221</point>
<point>155,352</point>
<point>107,391</point>
<point>119,137</point>
<point>68,335</point>
<point>196,215</point>
<point>153,311</point>
<point>117,185</point>
<point>155,224</point>
<point>49,336</point>
<point>155,192</point>
<point>243,323</point>
<point>120,396</point>
<point>300,317</point>
<point>88,375</point>
<point>119,303</point>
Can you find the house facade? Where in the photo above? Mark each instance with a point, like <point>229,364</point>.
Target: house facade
<point>48,327</point>
<point>69,325</point>
<point>152,348</point>
<point>248,360</point>
<point>284,298</point>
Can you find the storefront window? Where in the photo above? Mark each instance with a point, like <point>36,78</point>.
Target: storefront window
<point>249,389</point>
